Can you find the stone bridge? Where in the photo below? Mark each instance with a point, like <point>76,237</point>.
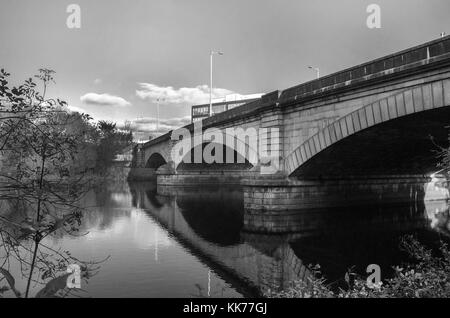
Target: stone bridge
<point>366,133</point>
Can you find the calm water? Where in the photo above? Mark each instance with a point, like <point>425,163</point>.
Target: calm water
<point>190,242</point>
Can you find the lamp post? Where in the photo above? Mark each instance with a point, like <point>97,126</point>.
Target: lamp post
<point>211,78</point>
<point>157,113</point>
<point>316,69</point>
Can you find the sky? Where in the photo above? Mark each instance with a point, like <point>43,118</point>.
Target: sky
<point>128,53</point>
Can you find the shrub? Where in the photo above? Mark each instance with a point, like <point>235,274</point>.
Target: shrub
<point>428,277</point>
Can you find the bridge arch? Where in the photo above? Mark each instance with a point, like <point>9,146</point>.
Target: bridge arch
<point>242,148</point>
<point>240,158</point>
<point>155,161</point>
<point>423,102</point>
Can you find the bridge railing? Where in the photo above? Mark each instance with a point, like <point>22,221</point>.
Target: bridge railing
<point>391,64</point>
<point>375,68</point>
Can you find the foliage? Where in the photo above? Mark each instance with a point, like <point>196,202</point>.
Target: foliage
<point>40,181</point>
<point>312,286</point>
<point>111,142</point>
<point>443,155</point>
<point>428,277</point>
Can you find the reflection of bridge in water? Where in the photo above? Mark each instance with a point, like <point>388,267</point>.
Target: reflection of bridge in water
<point>209,223</point>
<point>207,227</point>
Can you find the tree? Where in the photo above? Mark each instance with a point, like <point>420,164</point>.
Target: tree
<point>112,142</point>
<point>40,185</point>
<point>443,154</point>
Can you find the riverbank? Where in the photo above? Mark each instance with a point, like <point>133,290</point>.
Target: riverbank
<point>427,277</point>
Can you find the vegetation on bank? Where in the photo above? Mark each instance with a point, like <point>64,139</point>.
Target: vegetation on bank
<point>427,277</point>
<point>47,159</point>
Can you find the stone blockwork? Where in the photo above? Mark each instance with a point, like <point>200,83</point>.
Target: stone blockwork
<point>276,206</point>
<point>201,177</point>
<point>141,174</point>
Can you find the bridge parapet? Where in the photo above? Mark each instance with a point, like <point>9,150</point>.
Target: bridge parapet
<point>391,65</point>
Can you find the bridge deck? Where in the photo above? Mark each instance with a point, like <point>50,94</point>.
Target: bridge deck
<point>431,54</point>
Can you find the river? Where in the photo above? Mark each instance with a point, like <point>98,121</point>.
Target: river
<point>190,242</point>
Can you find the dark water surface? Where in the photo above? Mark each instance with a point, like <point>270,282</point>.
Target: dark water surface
<point>190,243</point>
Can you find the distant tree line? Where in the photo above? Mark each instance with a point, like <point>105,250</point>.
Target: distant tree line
<point>110,142</point>
<point>97,143</point>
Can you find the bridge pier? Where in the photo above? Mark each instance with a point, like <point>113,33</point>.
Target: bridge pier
<point>167,177</point>
<point>141,174</point>
<point>275,203</point>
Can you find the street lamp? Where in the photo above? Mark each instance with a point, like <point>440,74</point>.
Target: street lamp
<point>316,69</point>
<point>211,78</point>
<point>157,112</point>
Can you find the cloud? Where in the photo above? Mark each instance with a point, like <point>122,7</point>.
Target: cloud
<point>103,100</point>
<point>178,121</point>
<point>149,125</point>
<point>76,109</point>
<point>183,95</point>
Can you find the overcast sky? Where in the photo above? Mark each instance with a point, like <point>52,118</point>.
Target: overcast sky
<point>129,52</point>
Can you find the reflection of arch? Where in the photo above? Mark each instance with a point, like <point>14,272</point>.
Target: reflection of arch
<point>137,189</point>
<point>216,217</point>
<point>151,196</point>
<point>155,161</point>
<point>403,114</point>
